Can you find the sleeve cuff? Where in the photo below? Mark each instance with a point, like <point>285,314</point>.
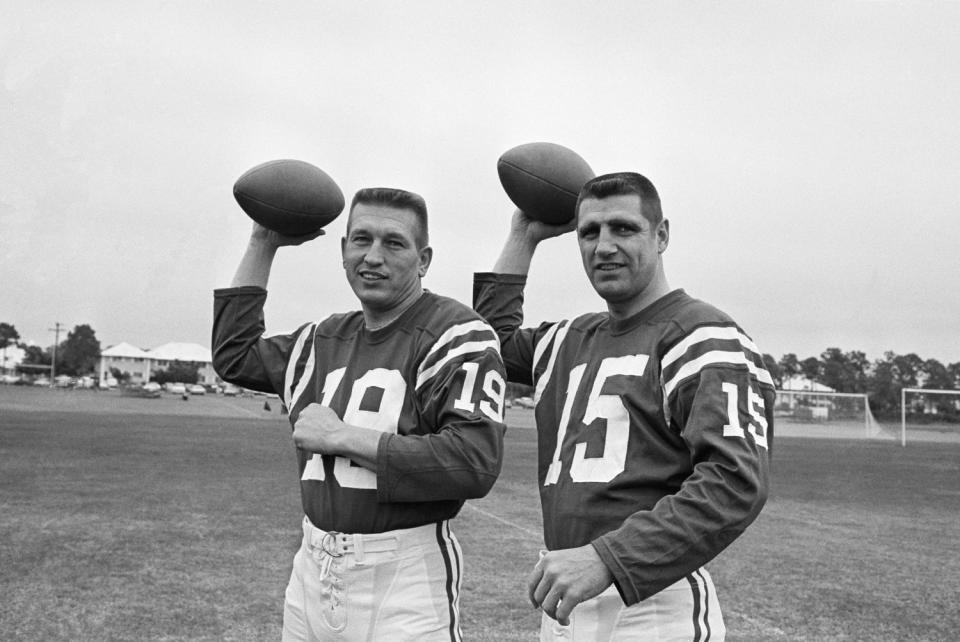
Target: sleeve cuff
<point>243,289</point>
<point>497,277</point>
<point>620,577</point>
<point>384,483</point>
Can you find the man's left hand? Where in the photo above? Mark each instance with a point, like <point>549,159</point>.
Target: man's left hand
<point>317,428</point>
<point>562,579</point>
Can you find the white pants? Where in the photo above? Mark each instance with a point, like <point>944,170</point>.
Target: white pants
<point>398,585</point>
<point>687,610</point>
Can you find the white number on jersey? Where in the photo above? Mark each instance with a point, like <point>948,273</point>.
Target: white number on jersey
<point>755,407</point>
<point>385,419</point>
<point>493,386</point>
<point>314,466</point>
<point>599,406</point>
<point>387,416</point>
<point>611,408</point>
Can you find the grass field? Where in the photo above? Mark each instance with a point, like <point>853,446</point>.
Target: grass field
<point>159,519</point>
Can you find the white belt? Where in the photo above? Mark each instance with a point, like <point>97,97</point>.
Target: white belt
<point>337,544</point>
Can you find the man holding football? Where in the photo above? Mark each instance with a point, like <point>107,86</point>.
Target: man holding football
<point>654,421</point>
<point>397,415</point>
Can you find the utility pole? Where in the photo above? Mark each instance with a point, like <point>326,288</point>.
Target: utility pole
<point>56,342</point>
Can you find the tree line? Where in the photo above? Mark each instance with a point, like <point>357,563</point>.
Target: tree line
<point>76,355</point>
<point>79,354</point>
<point>881,379</point>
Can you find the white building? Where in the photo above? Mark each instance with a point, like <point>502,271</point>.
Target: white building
<point>802,384</point>
<point>11,356</point>
<point>141,364</point>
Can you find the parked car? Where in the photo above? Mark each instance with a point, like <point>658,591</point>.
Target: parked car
<point>197,389</point>
<point>152,386</point>
<point>230,390</point>
<point>140,391</point>
<point>9,379</point>
<point>63,381</point>
<point>177,388</point>
<point>85,381</point>
<point>524,402</point>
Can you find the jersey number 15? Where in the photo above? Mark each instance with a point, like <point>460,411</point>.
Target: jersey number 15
<point>612,409</point>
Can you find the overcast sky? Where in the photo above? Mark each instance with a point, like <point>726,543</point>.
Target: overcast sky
<point>807,154</point>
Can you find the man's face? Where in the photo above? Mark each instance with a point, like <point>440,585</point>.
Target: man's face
<point>381,258</point>
<point>620,249</point>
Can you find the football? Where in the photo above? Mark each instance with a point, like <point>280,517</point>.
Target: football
<point>289,196</point>
<point>543,180</point>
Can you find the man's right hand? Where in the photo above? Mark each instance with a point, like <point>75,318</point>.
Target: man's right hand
<point>261,234</point>
<point>525,235</point>
<point>564,578</point>
<point>535,231</point>
<point>254,268</point>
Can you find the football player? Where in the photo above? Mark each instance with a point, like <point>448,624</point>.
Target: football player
<point>654,423</point>
<point>397,414</point>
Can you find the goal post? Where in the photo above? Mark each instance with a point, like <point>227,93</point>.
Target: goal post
<point>923,393</point>
<point>827,414</point>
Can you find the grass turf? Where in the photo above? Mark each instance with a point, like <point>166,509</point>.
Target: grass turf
<point>133,519</point>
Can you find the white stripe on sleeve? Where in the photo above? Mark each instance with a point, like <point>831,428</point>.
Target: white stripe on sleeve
<point>462,349</point>
<point>718,357</point>
<point>703,334</point>
<point>563,327</point>
<point>445,339</point>
<point>290,396</point>
<point>459,330</point>
<point>541,347</point>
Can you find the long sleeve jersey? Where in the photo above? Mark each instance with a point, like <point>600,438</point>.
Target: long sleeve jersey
<point>653,431</point>
<point>432,381</point>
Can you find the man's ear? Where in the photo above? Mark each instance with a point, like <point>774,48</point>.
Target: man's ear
<point>426,255</point>
<point>663,236</point>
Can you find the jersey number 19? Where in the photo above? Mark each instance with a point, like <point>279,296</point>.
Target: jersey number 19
<point>386,416</point>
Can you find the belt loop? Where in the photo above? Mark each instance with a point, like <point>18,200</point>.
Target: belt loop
<point>358,548</point>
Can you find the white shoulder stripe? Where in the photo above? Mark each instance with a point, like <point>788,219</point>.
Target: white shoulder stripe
<point>464,348</point>
<point>542,344</point>
<point>458,330</point>
<point>288,394</point>
<point>562,329</point>
<point>703,334</point>
<point>304,379</point>
<point>716,357</point>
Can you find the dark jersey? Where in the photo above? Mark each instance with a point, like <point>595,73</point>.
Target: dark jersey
<point>653,431</point>
<point>432,380</point>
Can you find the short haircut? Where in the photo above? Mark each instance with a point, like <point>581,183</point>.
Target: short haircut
<point>621,183</point>
<point>397,199</point>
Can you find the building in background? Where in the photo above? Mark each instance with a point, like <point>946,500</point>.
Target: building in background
<point>141,364</point>
<point>125,358</point>
<point>12,356</point>
<point>800,383</point>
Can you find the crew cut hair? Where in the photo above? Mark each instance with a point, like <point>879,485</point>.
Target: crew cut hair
<point>620,183</point>
<point>398,199</point>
